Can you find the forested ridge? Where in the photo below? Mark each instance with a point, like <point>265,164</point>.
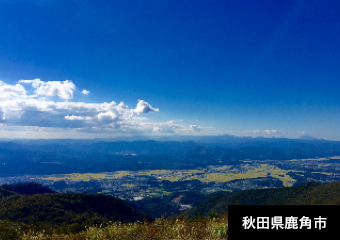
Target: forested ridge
<point>310,193</point>
<point>62,210</point>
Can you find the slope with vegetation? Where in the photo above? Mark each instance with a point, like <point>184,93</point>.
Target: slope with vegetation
<point>311,193</point>
<point>27,188</point>
<point>160,229</point>
<point>5,193</point>
<point>62,211</point>
<point>168,205</point>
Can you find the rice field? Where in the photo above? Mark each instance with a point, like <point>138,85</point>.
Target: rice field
<point>325,173</point>
<point>86,176</point>
<point>315,159</point>
<point>224,173</point>
<point>128,185</point>
<point>153,172</point>
<point>171,178</point>
<point>254,172</point>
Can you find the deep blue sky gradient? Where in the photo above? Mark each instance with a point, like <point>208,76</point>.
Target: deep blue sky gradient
<point>230,65</point>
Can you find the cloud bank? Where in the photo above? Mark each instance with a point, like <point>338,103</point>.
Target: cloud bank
<point>37,107</point>
<point>265,131</point>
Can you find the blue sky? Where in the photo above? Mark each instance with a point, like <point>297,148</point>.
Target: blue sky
<point>193,67</point>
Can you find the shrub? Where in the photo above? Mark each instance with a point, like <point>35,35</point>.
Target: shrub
<point>221,231</point>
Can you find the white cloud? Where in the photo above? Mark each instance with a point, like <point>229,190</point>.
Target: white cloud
<point>20,109</point>
<point>85,92</point>
<point>67,117</point>
<point>8,91</point>
<point>252,131</point>
<point>301,132</point>
<point>166,127</point>
<point>108,116</point>
<point>143,107</point>
<point>139,118</point>
<point>224,131</point>
<point>271,131</point>
<point>195,128</point>
<point>63,89</point>
<point>171,127</point>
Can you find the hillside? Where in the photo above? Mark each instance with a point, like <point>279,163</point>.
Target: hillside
<point>27,188</point>
<point>79,209</point>
<point>36,205</point>
<point>311,193</point>
<point>5,193</point>
<point>167,205</point>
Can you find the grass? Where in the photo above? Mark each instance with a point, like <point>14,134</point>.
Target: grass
<point>200,228</point>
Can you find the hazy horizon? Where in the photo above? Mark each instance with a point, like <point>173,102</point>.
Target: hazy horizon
<point>174,137</point>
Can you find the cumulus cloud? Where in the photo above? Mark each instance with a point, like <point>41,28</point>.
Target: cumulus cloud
<point>108,116</point>
<point>7,91</point>
<point>85,92</point>
<point>166,127</point>
<point>63,89</point>
<point>20,108</point>
<point>143,107</point>
<point>195,128</point>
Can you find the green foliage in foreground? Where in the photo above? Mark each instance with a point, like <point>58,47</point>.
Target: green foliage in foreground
<point>200,228</point>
